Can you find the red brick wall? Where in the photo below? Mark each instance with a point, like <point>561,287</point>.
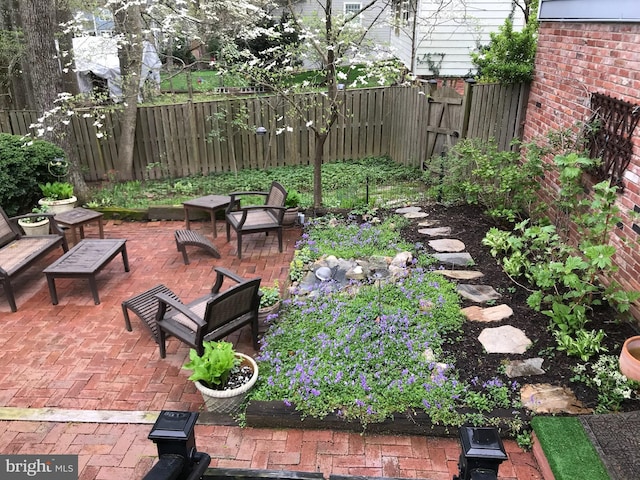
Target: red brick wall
<point>574,60</point>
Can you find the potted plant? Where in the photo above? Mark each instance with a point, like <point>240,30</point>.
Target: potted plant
<point>292,202</point>
<point>35,225</point>
<point>269,305</point>
<point>58,196</point>
<point>222,375</point>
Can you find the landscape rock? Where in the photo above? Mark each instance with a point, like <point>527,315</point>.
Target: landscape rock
<point>504,339</point>
<point>404,210</point>
<point>462,259</point>
<point>545,398</point>
<point>460,274</point>
<point>435,232</point>
<point>478,293</point>
<point>525,368</point>
<point>447,245</point>
<point>489,314</point>
<point>414,215</point>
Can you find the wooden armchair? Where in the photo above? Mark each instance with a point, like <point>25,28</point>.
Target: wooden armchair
<point>211,317</point>
<point>257,218</point>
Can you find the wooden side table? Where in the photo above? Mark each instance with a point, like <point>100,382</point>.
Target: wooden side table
<point>210,203</point>
<point>78,218</point>
<point>85,260</point>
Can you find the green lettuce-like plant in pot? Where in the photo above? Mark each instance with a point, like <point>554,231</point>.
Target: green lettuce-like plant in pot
<point>57,196</point>
<point>222,375</point>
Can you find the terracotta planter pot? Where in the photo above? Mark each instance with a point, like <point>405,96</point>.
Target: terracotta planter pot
<point>263,313</point>
<point>630,358</point>
<point>35,228</point>
<point>228,401</point>
<point>290,216</point>
<point>59,206</point>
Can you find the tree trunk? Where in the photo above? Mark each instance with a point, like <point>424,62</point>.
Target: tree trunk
<point>128,23</point>
<point>40,25</point>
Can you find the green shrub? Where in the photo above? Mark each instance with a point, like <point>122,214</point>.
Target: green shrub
<point>22,167</point>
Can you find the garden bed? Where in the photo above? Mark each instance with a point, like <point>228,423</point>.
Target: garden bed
<point>472,364</point>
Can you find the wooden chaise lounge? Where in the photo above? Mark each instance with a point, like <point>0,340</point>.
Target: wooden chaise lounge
<point>18,252</point>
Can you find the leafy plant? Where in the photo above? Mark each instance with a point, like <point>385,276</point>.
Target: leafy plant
<point>215,364</point>
<point>38,209</point>
<point>585,344</point>
<point>22,167</point>
<point>269,295</point>
<point>293,199</point>
<point>604,376</point>
<point>476,172</point>
<point>57,190</point>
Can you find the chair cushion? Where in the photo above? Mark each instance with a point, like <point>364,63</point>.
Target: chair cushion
<point>256,219</point>
<point>197,308</point>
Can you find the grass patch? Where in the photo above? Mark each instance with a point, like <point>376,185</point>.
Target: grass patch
<point>568,449</point>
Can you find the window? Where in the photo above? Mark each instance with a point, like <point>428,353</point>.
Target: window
<point>352,8</point>
<point>613,122</point>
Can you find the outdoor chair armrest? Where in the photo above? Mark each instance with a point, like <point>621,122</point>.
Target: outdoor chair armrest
<point>178,306</point>
<point>234,202</point>
<point>221,273</point>
<point>55,228</point>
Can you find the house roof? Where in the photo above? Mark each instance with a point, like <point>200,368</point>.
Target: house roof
<point>589,10</point>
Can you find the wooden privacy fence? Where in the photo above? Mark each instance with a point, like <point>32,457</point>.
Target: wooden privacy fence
<point>409,124</point>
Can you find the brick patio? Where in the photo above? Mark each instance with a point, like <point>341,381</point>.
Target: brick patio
<point>78,357</point>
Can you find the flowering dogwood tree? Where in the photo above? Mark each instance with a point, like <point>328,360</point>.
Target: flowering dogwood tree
<point>340,44</point>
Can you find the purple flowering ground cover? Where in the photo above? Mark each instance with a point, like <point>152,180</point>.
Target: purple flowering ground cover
<point>405,347</point>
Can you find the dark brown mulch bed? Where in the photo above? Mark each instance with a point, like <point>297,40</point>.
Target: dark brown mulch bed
<point>469,224</point>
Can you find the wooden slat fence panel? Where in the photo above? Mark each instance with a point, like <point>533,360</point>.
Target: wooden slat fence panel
<point>410,124</point>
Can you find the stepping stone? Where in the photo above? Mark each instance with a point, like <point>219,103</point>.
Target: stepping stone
<point>408,210</point>
<point>447,245</point>
<point>545,398</point>
<point>435,232</point>
<point>490,314</point>
<point>428,223</point>
<point>413,215</point>
<point>524,368</point>
<point>460,274</point>
<point>478,293</point>
<point>505,339</point>
<point>462,259</point>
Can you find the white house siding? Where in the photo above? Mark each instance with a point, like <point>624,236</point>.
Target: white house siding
<point>452,35</point>
<point>379,35</point>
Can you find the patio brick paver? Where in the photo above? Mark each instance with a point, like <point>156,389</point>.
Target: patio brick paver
<point>77,355</point>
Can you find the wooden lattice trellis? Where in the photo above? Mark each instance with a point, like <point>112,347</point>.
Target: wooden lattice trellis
<point>614,121</point>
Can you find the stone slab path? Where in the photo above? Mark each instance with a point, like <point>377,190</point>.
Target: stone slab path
<point>496,339</point>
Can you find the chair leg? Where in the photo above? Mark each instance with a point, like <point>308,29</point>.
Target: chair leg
<point>239,245</point>
<point>254,333</point>
<point>161,343</point>
<point>280,239</point>
<point>228,231</point>
<point>8,292</point>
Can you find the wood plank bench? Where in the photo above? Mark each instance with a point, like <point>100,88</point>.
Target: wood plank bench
<point>18,252</point>
<point>186,238</point>
<point>145,306</point>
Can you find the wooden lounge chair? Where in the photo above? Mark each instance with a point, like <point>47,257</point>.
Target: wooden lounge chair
<point>18,251</point>
<point>257,218</point>
<point>211,317</point>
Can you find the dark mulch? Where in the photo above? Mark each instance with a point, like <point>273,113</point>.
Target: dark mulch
<point>469,225</point>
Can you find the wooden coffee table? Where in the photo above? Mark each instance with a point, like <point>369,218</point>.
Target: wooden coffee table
<point>210,203</point>
<point>78,218</point>
<point>85,260</point>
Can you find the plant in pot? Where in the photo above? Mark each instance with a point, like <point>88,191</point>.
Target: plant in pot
<point>222,375</point>
<point>269,305</point>
<point>57,196</point>
<point>292,202</point>
<point>35,225</point>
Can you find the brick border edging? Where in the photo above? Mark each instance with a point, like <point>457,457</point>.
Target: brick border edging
<point>543,464</point>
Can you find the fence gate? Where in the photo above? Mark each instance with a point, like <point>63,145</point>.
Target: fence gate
<point>444,121</point>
